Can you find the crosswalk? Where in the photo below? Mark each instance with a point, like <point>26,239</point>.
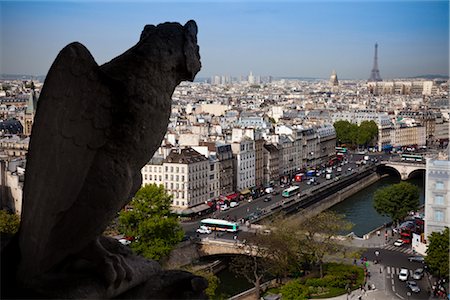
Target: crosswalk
<point>396,271</point>
<point>398,249</point>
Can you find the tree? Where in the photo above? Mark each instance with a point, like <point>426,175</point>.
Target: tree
<point>150,221</point>
<point>294,290</point>
<point>397,200</point>
<point>317,236</point>
<point>9,223</point>
<point>438,253</point>
<point>346,132</point>
<point>367,131</point>
<point>255,265</point>
<point>213,282</point>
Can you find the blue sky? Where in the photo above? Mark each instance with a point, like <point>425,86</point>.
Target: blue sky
<point>278,38</point>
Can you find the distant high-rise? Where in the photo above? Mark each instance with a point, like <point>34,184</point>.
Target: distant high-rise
<point>333,79</point>
<point>375,74</point>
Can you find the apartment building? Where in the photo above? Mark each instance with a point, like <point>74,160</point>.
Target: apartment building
<point>437,195</point>
<point>404,135</point>
<point>183,173</point>
<point>245,159</point>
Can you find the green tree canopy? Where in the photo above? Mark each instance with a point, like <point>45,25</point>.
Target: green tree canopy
<point>367,131</point>
<point>294,290</point>
<point>150,221</point>
<point>9,223</point>
<point>438,253</point>
<point>397,200</point>
<point>346,132</point>
<point>317,238</point>
<point>352,134</point>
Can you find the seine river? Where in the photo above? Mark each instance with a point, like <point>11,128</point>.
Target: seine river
<point>358,209</point>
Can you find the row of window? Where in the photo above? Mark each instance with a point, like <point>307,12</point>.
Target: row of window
<point>172,169</point>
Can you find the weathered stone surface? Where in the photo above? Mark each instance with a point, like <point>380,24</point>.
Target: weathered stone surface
<point>94,130</point>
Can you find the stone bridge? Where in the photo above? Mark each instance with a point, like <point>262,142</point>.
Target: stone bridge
<point>404,169</point>
<point>208,246</point>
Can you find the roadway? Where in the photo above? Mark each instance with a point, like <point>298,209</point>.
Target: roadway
<point>390,264</point>
<point>257,207</point>
<point>250,210</point>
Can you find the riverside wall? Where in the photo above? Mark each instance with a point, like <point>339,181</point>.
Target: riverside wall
<point>340,195</point>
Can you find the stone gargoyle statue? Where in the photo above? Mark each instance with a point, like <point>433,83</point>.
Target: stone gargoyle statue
<point>94,130</point>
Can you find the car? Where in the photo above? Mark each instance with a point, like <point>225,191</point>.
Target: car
<point>234,204</point>
<point>203,230</point>
<point>417,259</point>
<point>418,274</point>
<point>412,285</point>
<point>403,275</point>
<point>399,243</point>
<point>224,207</point>
<point>349,169</point>
<point>125,242</point>
<point>267,199</point>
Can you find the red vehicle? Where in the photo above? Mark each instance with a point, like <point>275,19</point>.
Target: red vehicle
<point>300,177</point>
<point>335,160</point>
<point>406,235</point>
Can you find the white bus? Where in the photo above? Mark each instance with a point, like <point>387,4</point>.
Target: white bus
<point>219,225</point>
<point>291,191</point>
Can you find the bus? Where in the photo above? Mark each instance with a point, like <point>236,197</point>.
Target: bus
<point>341,150</point>
<point>219,225</point>
<point>411,157</point>
<point>291,191</point>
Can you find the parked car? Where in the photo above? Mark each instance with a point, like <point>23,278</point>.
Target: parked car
<point>267,199</point>
<point>224,207</point>
<point>124,242</point>
<point>412,285</point>
<point>234,204</point>
<point>417,259</point>
<point>203,230</point>
<point>403,275</point>
<point>399,243</point>
<point>418,274</point>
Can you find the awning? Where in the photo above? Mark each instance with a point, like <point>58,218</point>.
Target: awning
<point>245,192</point>
<point>232,196</point>
<point>182,211</point>
<point>199,208</point>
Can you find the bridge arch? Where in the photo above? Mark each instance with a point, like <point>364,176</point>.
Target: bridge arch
<point>416,173</point>
<point>403,168</point>
<point>391,171</point>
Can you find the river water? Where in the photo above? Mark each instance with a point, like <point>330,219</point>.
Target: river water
<point>357,209</point>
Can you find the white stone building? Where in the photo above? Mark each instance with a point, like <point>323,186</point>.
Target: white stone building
<point>183,173</point>
<point>402,135</point>
<point>437,196</point>
<point>244,151</point>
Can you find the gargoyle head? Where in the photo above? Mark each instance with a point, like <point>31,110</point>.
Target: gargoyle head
<point>175,44</point>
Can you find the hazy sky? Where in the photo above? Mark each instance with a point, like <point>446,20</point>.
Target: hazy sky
<point>278,38</point>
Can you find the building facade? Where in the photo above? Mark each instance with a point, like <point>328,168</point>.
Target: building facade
<point>183,173</point>
<point>244,152</point>
<point>437,196</point>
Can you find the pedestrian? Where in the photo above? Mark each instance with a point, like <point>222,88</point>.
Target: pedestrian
<point>354,261</point>
<point>377,253</point>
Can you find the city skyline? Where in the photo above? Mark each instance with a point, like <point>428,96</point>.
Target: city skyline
<point>281,39</point>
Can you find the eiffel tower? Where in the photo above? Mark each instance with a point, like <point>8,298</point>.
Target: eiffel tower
<point>375,73</point>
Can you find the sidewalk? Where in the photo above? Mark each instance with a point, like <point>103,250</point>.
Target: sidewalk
<point>372,240</point>
<point>376,279</point>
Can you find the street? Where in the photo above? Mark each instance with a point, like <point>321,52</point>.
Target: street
<point>390,263</point>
